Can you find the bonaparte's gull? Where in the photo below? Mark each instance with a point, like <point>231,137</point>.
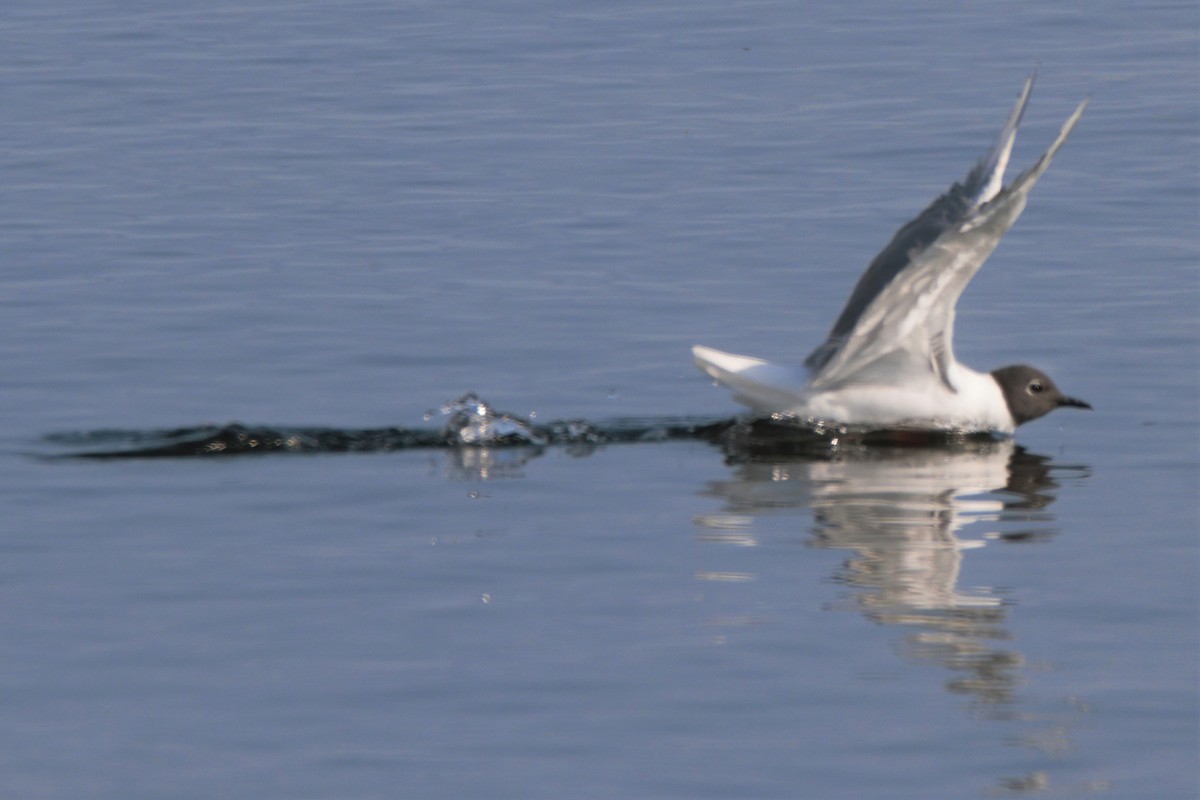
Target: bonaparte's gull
<point>889,361</point>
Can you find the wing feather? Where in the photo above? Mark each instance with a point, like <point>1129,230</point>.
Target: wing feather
<point>981,184</point>
<point>901,314</point>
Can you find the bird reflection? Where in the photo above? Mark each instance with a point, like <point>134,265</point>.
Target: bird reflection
<point>908,516</point>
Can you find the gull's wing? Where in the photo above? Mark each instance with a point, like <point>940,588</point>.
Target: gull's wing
<point>900,316</point>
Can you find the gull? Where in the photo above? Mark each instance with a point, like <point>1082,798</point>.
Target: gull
<point>888,362</point>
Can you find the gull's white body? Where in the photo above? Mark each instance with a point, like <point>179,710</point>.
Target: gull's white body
<point>922,402</point>
<point>889,360</point>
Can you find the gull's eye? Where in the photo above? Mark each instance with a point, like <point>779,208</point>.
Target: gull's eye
<point>1035,387</point>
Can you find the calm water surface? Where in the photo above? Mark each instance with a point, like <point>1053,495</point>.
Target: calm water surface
<point>286,214</point>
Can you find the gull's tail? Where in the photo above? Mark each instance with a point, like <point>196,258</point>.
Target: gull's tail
<point>762,386</point>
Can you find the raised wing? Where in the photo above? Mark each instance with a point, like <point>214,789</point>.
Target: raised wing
<point>900,315</point>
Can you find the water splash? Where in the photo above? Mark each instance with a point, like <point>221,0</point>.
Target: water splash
<point>473,422</point>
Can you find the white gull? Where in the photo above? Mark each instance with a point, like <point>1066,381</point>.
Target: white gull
<point>888,362</point>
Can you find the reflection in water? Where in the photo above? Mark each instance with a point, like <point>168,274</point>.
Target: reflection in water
<point>489,463</point>
<point>908,517</point>
<point>903,513</point>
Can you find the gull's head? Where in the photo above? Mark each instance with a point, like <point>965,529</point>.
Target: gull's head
<point>1030,393</point>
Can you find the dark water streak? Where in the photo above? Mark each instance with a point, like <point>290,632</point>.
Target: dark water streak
<point>238,439</point>
<point>472,423</point>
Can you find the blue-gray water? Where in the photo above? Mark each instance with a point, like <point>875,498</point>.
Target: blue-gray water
<point>344,216</point>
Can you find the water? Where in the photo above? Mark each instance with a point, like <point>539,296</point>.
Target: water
<point>295,217</point>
